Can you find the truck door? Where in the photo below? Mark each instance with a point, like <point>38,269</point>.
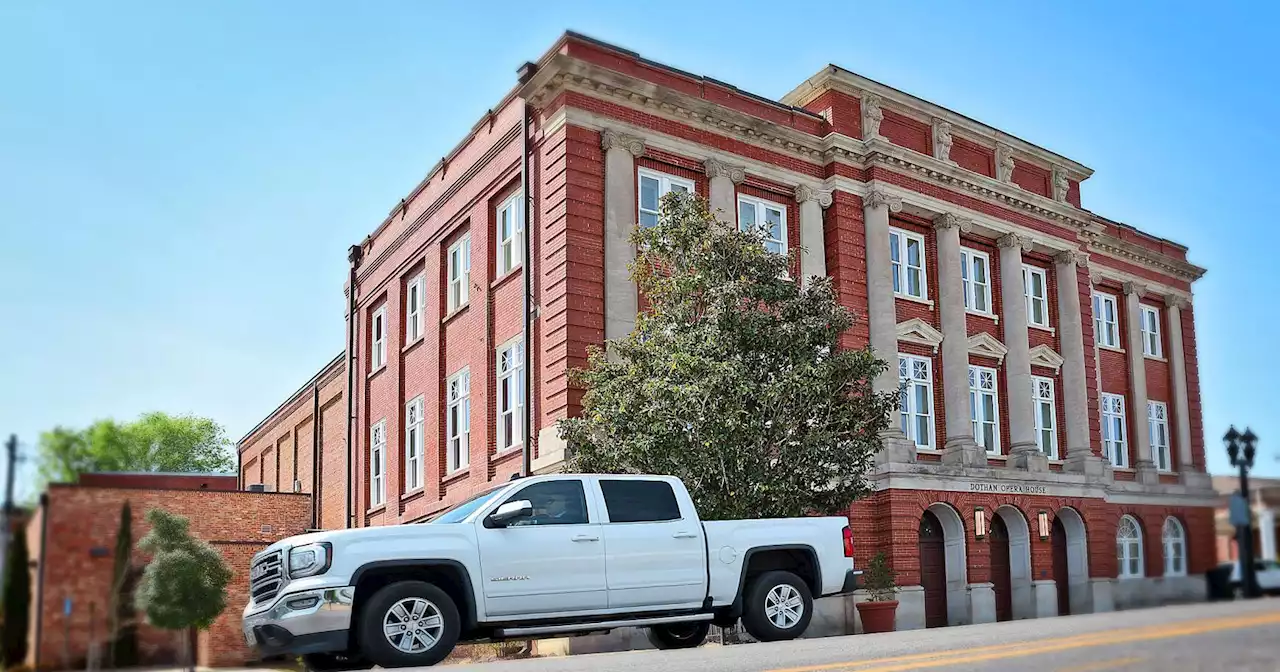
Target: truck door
<point>655,554</point>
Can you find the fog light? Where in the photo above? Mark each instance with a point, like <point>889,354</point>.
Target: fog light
<point>301,603</point>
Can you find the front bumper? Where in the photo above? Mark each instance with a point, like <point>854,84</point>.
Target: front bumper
<point>310,621</point>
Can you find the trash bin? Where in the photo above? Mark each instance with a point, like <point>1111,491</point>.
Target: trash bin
<point>1218,582</point>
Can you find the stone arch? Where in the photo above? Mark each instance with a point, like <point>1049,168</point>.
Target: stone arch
<point>1079,591</point>
<point>1019,560</point>
<point>957,562</point>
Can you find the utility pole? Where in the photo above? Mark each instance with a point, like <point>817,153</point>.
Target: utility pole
<point>11,456</point>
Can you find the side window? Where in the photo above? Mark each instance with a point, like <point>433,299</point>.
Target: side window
<point>554,503</point>
<point>640,501</point>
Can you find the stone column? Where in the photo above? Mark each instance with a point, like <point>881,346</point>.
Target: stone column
<point>813,252</point>
<point>1181,407</point>
<point>1139,433</point>
<point>882,314</point>
<point>1023,452</point>
<point>960,447</point>
<point>723,197</point>
<point>1079,456</point>
<point>620,300</point>
<point>1267,532</point>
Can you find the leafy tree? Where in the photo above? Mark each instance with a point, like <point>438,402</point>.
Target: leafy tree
<point>154,442</point>
<point>17,600</point>
<point>124,635</point>
<point>184,587</point>
<point>732,380</point>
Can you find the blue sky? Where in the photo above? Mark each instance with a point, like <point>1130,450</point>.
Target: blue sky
<point>179,181</point>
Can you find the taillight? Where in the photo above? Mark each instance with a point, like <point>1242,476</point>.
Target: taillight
<point>848,541</point>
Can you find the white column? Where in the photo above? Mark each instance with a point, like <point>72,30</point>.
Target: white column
<point>1023,452</point>
<point>1173,306</point>
<point>960,447</point>
<point>723,197</point>
<point>620,300</point>
<point>813,253</point>
<point>882,313</point>
<point>1267,532</point>
<point>1074,395</point>
<point>1139,431</point>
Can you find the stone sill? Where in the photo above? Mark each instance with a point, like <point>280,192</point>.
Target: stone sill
<point>912,299</point>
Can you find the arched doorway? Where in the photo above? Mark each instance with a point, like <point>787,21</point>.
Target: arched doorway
<point>1061,576</point>
<point>1016,552</point>
<point>1001,582</point>
<point>954,602</point>
<point>1076,551</point>
<point>933,570</point>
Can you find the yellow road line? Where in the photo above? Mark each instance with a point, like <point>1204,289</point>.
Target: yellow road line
<point>1101,665</point>
<point>1016,649</point>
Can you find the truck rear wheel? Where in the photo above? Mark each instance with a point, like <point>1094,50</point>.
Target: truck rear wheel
<point>678,635</point>
<point>778,607</point>
<point>409,624</point>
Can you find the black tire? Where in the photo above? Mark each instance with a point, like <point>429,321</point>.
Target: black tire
<point>754,616</point>
<point>375,644</point>
<point>334,662</point>
<point>678,635</point>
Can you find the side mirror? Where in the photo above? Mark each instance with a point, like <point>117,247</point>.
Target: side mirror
<point>521,508</point>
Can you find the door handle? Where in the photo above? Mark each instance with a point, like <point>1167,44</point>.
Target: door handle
<point>585,537</point>
<point>685,535</point>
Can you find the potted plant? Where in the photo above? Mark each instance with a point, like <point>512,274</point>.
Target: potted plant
<point>879,580</point>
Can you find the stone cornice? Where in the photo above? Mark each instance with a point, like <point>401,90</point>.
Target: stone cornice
<point>1122,249</point>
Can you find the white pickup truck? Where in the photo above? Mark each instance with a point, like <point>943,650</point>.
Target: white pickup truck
<point>542,556</point>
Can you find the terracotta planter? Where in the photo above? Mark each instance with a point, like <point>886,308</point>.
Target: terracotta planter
<point>877,616</point>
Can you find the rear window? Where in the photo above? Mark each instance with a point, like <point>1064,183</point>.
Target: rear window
<point>640,501</point>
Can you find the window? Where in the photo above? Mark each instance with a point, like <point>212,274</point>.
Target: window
<point>1175,548</point>
<point>1105,328</point>
<point>1046,417</point>
<point>413,301</point>
<point>1129,548</point>
<point>916,399</point>
<point>1158,426</point>
<point>413,444</point>
<point>975,275</point>
<point>510,233</point>
<point>1035,288</point>
<point>1151,345</point>
<point>1113,438</point>
<point>377,463</point>
<point>640,501</point>
<point>459,273</point>
<point>554,503</point>
<point>510,395</point>
<point>458,420</point>
<point>906,251</point>
<point>984,408</point>
<point>379,355</point>
<point>770,219</point>
<point>653,186</point>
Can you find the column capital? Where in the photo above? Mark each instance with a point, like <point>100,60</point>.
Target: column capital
<point>1132,287</point>
<point>876,198</point>
<point>1014,240</point>
<point>610,138</point>
<point>718,168</point>
<point>1175,301</point>
<point>948,220</point>
<point>1072,257</point>
<point>805,193</point>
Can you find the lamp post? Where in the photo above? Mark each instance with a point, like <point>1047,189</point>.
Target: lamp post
<point>1241,449</point>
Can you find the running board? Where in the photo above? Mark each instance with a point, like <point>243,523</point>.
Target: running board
<point>593,626</point>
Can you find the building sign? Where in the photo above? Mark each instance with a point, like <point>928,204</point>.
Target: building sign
<point>1007,488</point>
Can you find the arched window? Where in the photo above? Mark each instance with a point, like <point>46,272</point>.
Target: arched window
<point>1129,548</point>
<point>1175,548</point>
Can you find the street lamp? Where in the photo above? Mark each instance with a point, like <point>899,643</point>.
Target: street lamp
<point>1241,448</point>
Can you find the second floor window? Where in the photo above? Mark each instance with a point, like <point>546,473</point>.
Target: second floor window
<point>975,275</point>
<point>378,354</point>
<point>768,218</point>
<point>906,251</point>
<point>378,463</point>
<point>653,186</point>
<point>916,399</point>
<point>1046,415</point>
<point>414,301</point>
<point>1158,428</point>
<point>1151,345</point>
<point>510,234</point>
<point>510,395</point>
<point>1113,434</point>
<point>1035,287</point>
<point>413,477</point>
<point>458,420</point>
<point>1105,327</point>
<point>984,408</point>
<point>459,276</point>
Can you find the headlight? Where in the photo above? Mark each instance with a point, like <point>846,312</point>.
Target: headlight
<point>309,560</point>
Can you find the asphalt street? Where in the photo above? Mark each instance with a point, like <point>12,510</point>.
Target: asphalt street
<point>1220,636</point>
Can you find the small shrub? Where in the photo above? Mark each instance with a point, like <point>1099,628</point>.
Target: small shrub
<point>879,579</point>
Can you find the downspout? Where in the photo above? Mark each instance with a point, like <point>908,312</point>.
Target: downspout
<point>353,256</point>
<point>44,560</point>
<point>526,73</point>
<point>316,428</point>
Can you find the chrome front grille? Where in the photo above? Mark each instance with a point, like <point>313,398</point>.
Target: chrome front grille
<point>266,577</point>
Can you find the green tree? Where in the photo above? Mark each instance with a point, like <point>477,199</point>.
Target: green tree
<point>17,600</point>
<point>154,442</point>
<point>184,587</point>
<point>124,635</point>
<point>732,380</point>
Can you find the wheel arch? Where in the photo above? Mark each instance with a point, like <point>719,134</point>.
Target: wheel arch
<point>450,576</point>
<point>800,559</point>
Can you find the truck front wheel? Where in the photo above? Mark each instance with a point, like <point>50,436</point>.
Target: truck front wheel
<point>778,607</point>
<point>678,635</point>
<point>409,624</point>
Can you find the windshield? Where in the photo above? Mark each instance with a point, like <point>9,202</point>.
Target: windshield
<point>459,513</point>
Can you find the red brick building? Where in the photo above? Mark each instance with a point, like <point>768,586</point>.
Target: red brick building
<point>1050,453</point>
